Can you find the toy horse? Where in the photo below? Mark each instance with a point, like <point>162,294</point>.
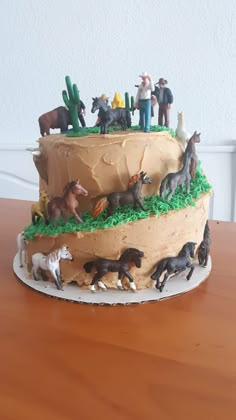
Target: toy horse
<point>172,180</point>
<point>204,248</point>
<point>39,209</point>
<point>21,247</point>
<point>131,196</point>
<point>58,206</point>
<point>190,151</point>
<point>50,263</point>
<point>121,266</point>
<point>110,116</point>
<point>175,265</point>
<point>181,133</point>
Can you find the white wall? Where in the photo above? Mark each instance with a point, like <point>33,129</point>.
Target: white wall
<point>104,45</point>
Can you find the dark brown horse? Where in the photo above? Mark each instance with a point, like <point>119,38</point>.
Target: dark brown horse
<point>57,118</point>
<point>131,196</point>
<point>67,203</point>
<point>121,266</point>
<point>175,265</point>
<point>110,116</point>
<point>190,151</point>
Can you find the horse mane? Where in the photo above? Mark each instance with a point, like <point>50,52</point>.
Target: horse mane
<point>128,251</point>
<point>133,180</point>
<point>69,186</point>
<point>53,256</point>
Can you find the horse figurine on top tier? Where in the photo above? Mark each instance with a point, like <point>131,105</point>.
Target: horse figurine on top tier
<point>109,116</point>
<point>67,203</point>
<point>50,263</point>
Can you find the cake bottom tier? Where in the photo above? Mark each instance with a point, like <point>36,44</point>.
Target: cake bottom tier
<point>157,236</point>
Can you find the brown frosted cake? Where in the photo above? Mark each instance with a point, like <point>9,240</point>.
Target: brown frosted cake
<point>104,164</point>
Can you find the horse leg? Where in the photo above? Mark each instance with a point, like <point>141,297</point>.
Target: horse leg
<point>20,258</point>
<point>77,215</point>
<point>119,283</point>
<point>190,272</point>
<point>170,194</point>
<point>57,279</point>
<point>34,272</point>
<point>131,280</point>
<point>140,203</point>
<point>110,210</point>
<point>97,279</point>
<point>161,287</point>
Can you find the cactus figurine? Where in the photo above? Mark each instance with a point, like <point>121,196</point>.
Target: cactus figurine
<point>127,104</point>
<point>72,102</point>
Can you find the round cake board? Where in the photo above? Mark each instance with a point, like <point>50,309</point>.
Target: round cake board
<point>176,285</point>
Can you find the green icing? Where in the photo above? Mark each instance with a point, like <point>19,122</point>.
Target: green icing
<point>85,131</point>
<point>154,205</point>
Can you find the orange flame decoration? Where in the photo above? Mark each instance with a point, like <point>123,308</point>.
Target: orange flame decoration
<point>100,206</point>
<point>133,180</point>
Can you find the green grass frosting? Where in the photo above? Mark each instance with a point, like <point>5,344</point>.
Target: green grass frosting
<point>154,205</point>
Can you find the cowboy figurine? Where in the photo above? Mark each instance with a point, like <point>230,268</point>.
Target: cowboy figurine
<point>82,113</point>
<point>143,101</point>
<point>165,99</point>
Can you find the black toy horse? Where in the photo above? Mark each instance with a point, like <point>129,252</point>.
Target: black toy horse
<point>204,248</point>
<point>175,265</point>
<point>131,196</point>
<point>121,266</point>
<point>110,116</point>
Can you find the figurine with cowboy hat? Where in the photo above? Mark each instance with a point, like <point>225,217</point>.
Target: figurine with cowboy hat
<point>143,101</point>
<point>165,99</point>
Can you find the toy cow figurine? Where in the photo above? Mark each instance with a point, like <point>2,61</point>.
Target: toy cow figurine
<point>59,118</point>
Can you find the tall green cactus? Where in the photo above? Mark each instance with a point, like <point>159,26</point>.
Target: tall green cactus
<point>72,102</point>
<point>127,104</point>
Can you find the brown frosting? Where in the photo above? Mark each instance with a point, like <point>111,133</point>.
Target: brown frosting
<point>105,163</point>
<point>157,237</point>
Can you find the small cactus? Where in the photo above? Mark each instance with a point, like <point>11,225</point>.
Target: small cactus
<point>72,102</point>
<point>127,104</point>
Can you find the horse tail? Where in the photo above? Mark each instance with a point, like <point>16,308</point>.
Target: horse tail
<point>100,206</point>
<point>88,266</point>
<point>128,118</point>
<point>163,186</point>
<point>159,270</point>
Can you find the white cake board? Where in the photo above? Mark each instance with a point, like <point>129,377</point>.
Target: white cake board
<point>72,292</point>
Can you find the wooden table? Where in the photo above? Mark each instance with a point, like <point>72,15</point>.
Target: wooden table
<point>174,359</point>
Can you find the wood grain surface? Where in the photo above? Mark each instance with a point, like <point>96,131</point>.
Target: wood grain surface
<point>170,360</point>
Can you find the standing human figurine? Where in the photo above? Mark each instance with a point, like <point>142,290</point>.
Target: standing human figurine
<point>164,99</point>
<point>143,101</point>
<point>82,113</point>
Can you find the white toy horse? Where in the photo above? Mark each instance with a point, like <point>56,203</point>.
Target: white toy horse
<point>21,247</point>
<point>181,133</point>
<point>51,263</point>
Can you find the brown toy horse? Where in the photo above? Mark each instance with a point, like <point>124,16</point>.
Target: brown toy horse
<point>67,203</point>
<point>131,196</point>
<point>190,151</point>
<point>57,118</point>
